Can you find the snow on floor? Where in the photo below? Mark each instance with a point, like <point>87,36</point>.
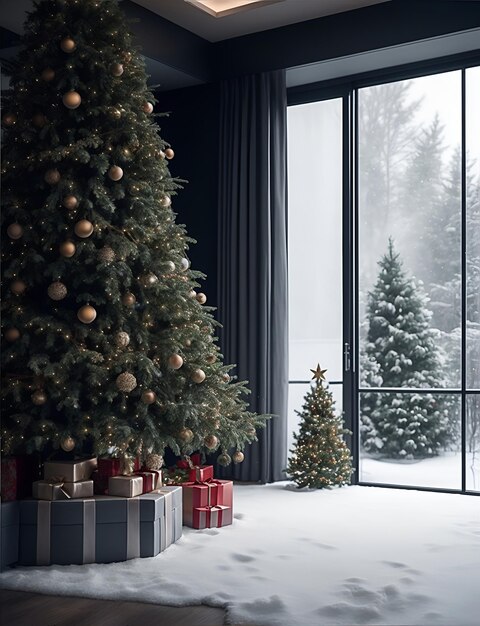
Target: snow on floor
<point>356,555</point>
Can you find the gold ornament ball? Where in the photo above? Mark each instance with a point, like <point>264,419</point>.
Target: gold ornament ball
<point>122,339</point>
<point>198,376</point>
<point>184,264</point>
<point>165,201</point>
<point>211,358</point>
<point>52,176</point>
<point>68,45</point>
<point>170,266</point>
<point>201,298</point>
<point>12,334</point>
<point>116,69</point>
<point>67,249</point>
<point>210,442</point>
<point>148,108</point>
<point>70,202</point>
<point>128,299</point>
<point>9,119</point>
<point>154,461</point>
<point>175,361</point>
<point>15,231</point>
<point>115,173</point>
<point>149,280</point>
<point>39,120</point>
<point>238,457</point>
<point>169,153</point>
<point>226,378</point>
<point>149,397</point>
<point>106,255</point>
<point>39,397</point>
<point>57,291</point>
<point>126,382</point>
<point>72,99</point>
<point>251,432</point>
<point>86,314</point>
<point>115,113</point>
<point>188,343</point>
<point>18,287</point>
<point>83,228</point>
<point>186,435</point>
<point>192,293</point>
<point>67,444</point>
<point>224,459</point>
<point>48,74</point>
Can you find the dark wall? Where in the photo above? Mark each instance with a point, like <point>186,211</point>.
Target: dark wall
<point>192,130</point>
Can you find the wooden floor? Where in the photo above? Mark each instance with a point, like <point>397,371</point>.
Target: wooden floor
<point>18,608</point>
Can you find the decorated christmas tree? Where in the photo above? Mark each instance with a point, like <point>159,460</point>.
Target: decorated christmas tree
<point>320,457</point>
<point>401,350</point>
<point>107,344</point>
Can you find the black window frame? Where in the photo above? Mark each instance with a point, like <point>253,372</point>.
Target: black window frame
<point>347,88</point>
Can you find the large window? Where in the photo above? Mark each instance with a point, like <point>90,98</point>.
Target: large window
<point>315,248</point>
<point>407,199</point>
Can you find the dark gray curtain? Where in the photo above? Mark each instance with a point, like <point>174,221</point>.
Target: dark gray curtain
<point>252,263</point>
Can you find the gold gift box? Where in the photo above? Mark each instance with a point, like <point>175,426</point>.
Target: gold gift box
<point>70,471</point>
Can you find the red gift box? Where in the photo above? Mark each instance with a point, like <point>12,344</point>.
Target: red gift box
<point>212,516</point>
<point>208,494</point>
<point>151,479</point>
<point>18,474</point>
<point>114,467</point>
<point>200,473</point>
<point>188,462</point>
<point>100,483</point>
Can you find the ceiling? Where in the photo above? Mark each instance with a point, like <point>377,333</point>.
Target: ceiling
<point>167,74</point>
<point>252,21</point>
<point>191,18</point>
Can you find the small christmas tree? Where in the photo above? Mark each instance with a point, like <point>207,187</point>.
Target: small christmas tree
<point>320,457</point>
<point>401,351</point>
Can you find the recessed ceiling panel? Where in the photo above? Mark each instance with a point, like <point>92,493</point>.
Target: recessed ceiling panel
<point>222,8</point>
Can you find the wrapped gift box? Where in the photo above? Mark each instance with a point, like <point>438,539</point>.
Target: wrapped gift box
<point>208,494</point>
<point>70,471</point>
<point>17,475</point>
<point>99,530</point>
<point>200,473</point>
<point>100,483</point>
<point>49,490</point>
<point>9,529</point>
<point>125,486</point>
<point>82,489</point>
<point>114,467</point>
<point>212,516</point>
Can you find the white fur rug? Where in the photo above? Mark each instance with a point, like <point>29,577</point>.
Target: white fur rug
<point>356,555</point>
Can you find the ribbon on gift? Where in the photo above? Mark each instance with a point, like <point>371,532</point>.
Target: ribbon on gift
<point>149,480</point>
<point>89,530</point>
<point>49,488</point>
<point>201,473</point>
<point>212,516</point>
<point>167,538</point>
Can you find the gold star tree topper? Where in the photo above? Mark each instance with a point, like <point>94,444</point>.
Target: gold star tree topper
<point>318,374</point>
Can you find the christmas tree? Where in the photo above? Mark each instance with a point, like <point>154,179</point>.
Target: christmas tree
<point>401,350</point>
<point>108,346</point>
<point>320,457</point>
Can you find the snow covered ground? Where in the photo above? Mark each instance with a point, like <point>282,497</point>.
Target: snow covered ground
<point>444,472</point>
<point>357,555</point>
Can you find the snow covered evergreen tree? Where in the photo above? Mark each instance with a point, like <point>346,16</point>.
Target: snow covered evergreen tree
<point>401,348</point>
<point>320,457</point>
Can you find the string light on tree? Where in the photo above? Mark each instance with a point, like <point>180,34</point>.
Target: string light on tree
<point>109,312</point>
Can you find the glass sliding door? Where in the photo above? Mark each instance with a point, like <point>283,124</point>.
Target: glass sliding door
<point>472,269</point>
<point>410,281</point>
<point>315,180</point>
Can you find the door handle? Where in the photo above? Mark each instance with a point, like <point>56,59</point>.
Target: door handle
<point>346,357</point>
